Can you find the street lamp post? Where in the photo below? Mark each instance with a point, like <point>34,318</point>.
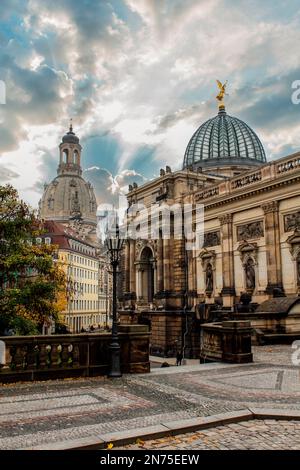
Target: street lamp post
<point>106,297</point>
<point>114,244</point>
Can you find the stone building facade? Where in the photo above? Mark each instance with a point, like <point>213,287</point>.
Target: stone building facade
<point>251,242</point>
<point>80,261</point>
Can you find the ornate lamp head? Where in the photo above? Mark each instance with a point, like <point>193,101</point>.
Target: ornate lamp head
<point>114,242</point>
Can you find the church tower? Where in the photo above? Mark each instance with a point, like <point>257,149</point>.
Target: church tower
<point>69,197</point>
<point>70,154</point>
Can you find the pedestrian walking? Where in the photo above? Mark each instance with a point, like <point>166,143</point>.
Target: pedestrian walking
<point>179,357</point>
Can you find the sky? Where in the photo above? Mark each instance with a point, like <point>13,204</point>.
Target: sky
<point>138,77</point>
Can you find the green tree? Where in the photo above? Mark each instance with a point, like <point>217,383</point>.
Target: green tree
<point>30,279</point>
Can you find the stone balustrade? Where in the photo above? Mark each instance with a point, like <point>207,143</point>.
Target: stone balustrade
<point>288,165</point>
<point>242,181</point>
<point>208,193</point>
<point>271,171</point>
<point>26,358</point>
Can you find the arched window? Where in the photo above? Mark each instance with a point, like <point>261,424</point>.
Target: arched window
<point>76,157</point>
<point>65,155</point>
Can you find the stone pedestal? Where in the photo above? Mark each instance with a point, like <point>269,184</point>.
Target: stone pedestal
<point>227,341</point>
<point>237,341</point>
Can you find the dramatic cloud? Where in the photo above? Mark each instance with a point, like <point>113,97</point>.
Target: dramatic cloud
<point>108,189</point>
<point>6,174</point>
<point>138,77</point>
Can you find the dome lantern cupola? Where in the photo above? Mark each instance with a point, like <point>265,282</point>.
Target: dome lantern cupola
<point>70,154</point>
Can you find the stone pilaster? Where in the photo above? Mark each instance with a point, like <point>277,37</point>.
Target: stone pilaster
<point>140,274</point>
<point>178,270</point>
<point>272,241</point>
<point>127,267</point>
<point>192,277</point>
<point>166,264</point>
<point>160,267</point>
<point>132,274</point>
<point>228,290</point>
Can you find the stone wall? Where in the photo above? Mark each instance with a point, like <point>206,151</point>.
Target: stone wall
<point>61,356</point>
<point>167,330</point>
<point>227,341</point>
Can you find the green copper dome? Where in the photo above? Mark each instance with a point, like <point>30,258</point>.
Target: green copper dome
<point>70,137</point>
<point>221,141</point>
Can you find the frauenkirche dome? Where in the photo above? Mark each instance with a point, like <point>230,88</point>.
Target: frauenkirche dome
<point>69,196</point>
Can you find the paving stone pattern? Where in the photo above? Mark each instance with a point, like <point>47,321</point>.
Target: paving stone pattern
<point>246,435</point>
<point>34,414</point>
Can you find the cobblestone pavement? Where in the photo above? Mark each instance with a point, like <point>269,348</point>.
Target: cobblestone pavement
<point>33,414</point>
<point>246,435</point>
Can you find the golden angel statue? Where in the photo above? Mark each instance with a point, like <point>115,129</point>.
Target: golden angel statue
<point>221,94</point>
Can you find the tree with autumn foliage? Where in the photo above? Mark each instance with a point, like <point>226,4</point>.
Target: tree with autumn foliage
<point>31,280</point>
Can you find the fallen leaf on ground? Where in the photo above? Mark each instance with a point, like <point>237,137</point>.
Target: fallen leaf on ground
<point>140,442</point>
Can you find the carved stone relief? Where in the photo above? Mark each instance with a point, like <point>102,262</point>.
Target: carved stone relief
<point>292,222</point>
<point>251,230</point>
<point>211,239</point>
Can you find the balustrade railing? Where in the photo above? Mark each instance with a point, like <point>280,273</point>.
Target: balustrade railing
<point>59,356</point>
<point>207,193</point>
<point>289,165</point>
<point>273,169</point>
<point>242,181</point>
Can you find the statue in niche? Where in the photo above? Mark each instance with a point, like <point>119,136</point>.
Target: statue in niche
<point>75,205</point>
<point>51,202</point>
<point>250,274</point>
<point>209,278</point>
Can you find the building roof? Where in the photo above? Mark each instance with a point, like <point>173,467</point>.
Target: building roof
<point>70,137</point>
<point>278,305</point>
<point>61,235</point>
<point>221,141</point>
<point>69,196</point>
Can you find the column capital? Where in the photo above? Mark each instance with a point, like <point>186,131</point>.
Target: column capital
<point>225,219</point>
<point>270,206</point>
